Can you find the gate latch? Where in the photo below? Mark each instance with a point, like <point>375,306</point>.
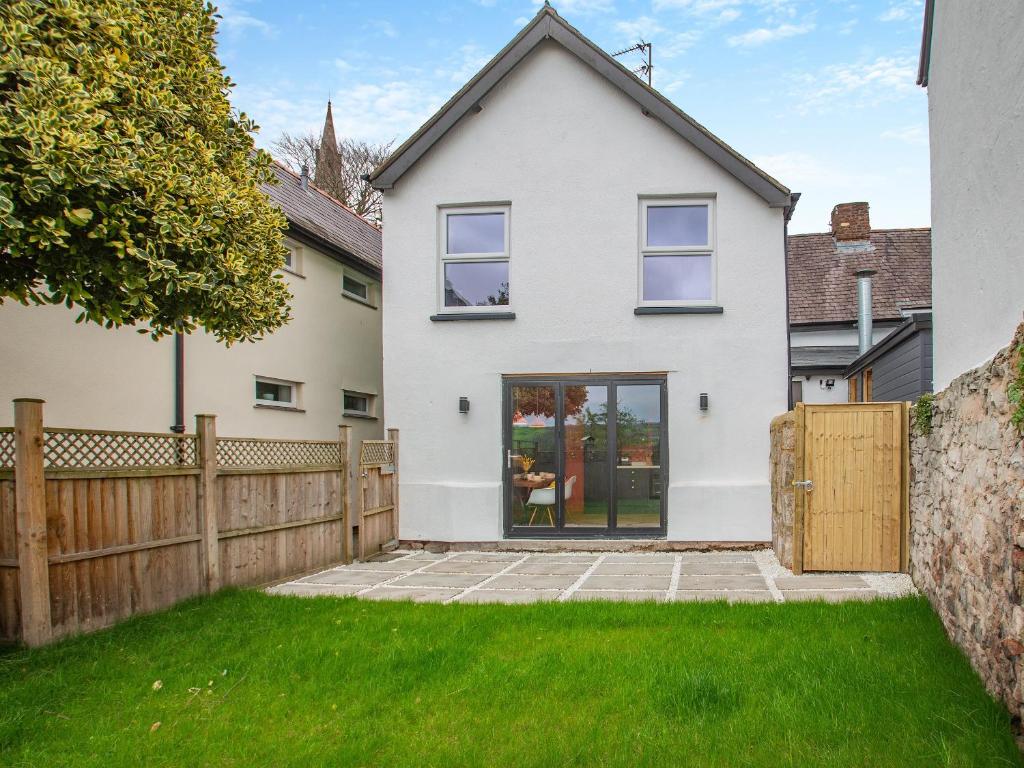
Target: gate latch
<point>807,485</point>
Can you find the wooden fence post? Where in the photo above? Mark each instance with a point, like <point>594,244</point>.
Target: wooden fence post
<point>393,437</point>
<point>30,503</point>
<point>799,494</point>
<point>345,450</point>
<point>206,436</point>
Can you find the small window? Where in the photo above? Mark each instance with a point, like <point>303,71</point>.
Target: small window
<point>276,393</point>
<point>357,404</point>
<point>293,258</point>
<point>362,289</point>
<point>474,259</point>
<point>677,255</point>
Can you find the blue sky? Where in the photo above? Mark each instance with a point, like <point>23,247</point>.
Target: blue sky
<point>819,93</point>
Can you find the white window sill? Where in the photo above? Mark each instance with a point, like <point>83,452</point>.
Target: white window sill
<point>359,299</point>
<point>270,407</point>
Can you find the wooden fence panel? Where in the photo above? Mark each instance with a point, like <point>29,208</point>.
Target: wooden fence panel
<point>378,494</point>
<point>135,522</point>
<point>10,602</point>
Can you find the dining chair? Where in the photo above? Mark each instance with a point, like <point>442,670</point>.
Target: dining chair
<point>545,497</point>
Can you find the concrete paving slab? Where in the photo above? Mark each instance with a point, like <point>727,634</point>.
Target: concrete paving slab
<point>722,582</point>
<point>641,557</point>
<point>717,557</point>
<point>314,590</point>
<point>634,569</point>
<point>388,556</point>
<point>709,568</point>
<point>462,580</point>
<point>617,596</point>
<point>529,581</point>
<point>820,581</point>
<point>626,582</point>
<point>733,596</point>
<point>409,593</point>
<point>487,557</point>
<point>563,558</point>
<point>828,595</point>
<point>509,596</point>
<point>390,566</point>
<point>561,569</point>
<point>425,555</point>
<point>465,566</point>
<point>347,576</point>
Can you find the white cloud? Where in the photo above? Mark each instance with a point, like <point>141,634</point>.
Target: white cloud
<point>343,66</point>
<point>522,21</point>
<point>642,27</point>
<point>863,84</point>
<point>581,7</point>
<point>236,21</point>
<point>902,10</point>
<point>459,68</point>
<point>764,35</point>
<point>910,134</point>
<point>698,7</point>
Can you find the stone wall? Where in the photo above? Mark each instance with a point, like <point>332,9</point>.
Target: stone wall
<point>967,531</point>
<point>783,445</point>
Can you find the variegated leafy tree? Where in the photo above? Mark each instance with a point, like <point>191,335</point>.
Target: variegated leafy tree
<point>129,189</point>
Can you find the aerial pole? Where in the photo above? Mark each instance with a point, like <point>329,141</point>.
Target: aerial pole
<point>644,49</point>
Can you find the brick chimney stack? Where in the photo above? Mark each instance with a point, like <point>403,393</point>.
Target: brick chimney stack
<point>850,221</point>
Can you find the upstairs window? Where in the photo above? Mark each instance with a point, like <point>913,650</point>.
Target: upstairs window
<point>474,259</point>
<point>276,393</point>
<point>358,287</point>
<point>357,404</point>
<point>677,252</point>
<point>293,258</point>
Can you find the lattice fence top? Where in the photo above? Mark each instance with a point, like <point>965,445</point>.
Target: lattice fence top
<point>252,452</point>
<point>377,452</point>
<point>98,449</point>
<point>6,447</point>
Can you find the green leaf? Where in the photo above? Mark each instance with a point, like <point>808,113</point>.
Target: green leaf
<point>79,216</point>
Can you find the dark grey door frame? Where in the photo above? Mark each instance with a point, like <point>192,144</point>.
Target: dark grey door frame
<point>612,382</point>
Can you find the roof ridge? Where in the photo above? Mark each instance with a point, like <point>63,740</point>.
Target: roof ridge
<point>873,231</point>
<point>333,199</point>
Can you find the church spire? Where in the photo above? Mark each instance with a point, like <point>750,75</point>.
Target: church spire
<point>327,173</point>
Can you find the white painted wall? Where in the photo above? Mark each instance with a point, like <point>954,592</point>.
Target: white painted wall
<point>816,394</point>
<point>813,391</point>
<point>573,154</point>
<point>976,119</point>
<point>119,379</point>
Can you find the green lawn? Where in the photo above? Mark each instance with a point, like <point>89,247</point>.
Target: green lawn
<point>248,680</point>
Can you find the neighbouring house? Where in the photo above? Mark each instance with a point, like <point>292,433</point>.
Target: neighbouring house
<point>834,277</point>
<point>321,370</point>
<point>586,309</point>
<point>899,367</point>
<point>972,60</point>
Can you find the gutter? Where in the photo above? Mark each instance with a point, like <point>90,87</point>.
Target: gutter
<point>925,62</point>
<point>338,254</point>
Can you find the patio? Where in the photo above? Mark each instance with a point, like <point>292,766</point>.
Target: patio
<point>528,577</point>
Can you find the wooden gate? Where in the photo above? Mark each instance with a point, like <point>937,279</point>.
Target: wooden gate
<point>851,470</point>
<point>378,494</point>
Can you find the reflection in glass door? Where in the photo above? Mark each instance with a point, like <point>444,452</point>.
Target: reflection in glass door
<point>532,458</point>
<point>585,455</point>
<point>585,452</point>
<point>638,479</point>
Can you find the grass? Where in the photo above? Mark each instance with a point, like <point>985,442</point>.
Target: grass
<point>248,679</point>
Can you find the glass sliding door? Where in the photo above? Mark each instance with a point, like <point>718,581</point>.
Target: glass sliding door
<point>532,459</point>
<point>638,477</point>
<point>585,456</point>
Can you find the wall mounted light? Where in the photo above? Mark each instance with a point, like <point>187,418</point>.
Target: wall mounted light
<point>703,401</point>
<point>827,384</point>
<point>463,405</point>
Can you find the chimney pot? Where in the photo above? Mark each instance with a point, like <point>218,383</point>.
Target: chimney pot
<point>850,221</point>
<point>304,177</point>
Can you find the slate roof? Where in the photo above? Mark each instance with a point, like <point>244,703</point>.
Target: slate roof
<point>318,214</point>
<point>814,358</point>
<point>823,287</point>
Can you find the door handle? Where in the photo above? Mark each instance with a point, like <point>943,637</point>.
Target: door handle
<point>807,485</point>
<point>508,459</point>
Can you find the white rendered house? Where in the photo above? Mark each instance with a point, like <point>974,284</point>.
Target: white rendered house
<point>586,329</point>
